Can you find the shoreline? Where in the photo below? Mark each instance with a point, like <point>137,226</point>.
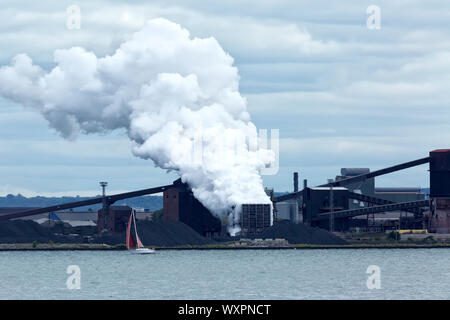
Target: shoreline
<point>84,247</point>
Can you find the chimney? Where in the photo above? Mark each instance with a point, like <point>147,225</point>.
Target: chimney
<point>295,181</point>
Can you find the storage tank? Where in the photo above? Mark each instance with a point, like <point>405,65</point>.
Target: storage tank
<point>288,210</point>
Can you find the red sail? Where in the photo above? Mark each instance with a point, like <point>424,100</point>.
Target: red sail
<point>130,242</point>
<point>140,245</point>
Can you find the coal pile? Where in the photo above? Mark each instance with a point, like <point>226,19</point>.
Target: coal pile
<point>169,233</point>
<point>28,231</point>
<point>300,234</point>
<point>152,233</point>
<point>162,234</point>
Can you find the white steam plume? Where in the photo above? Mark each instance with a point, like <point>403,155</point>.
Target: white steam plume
<point>169,92</point>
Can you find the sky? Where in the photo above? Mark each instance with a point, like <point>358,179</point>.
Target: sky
<point>341,94</point>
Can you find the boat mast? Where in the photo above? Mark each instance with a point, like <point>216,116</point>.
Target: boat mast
<point>129,239</point>
<point>135,229</point>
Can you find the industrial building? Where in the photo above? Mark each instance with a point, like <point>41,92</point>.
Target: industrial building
<point>348,202</point>
<point>368,187</point>
<point>352,201</point>
<point>73,218</point>
<point>116,220</point>
<point>380,221</point>
<point>314,201</point>
<point>181,205</point>
<point>438,215</point>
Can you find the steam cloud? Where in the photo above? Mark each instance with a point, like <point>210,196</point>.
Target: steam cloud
<point>169,91</point>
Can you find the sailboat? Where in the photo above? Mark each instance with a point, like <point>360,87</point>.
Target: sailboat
<point>131,245</point>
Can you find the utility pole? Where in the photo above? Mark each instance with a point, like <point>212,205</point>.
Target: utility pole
<point>330,181</point>
<point>105,207</point>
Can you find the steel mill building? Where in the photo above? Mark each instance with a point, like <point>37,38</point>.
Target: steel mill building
<point>350,201</point>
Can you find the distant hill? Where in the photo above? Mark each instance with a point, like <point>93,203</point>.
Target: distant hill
<point>277,194</point>
<point>151,203</point>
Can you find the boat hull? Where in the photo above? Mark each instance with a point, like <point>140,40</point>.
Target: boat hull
<point>143,251</point>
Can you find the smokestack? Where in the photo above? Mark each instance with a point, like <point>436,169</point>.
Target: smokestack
<point>295,181</point>
<point>305,183</point>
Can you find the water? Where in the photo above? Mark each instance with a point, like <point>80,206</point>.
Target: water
<point>271,274</point>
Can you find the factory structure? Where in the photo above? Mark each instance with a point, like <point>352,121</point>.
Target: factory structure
<point>345,199</point>
<point>349,202</point>
<point>179,204</point>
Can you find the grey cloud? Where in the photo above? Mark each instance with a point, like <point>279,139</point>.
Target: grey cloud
<point>388,85</point>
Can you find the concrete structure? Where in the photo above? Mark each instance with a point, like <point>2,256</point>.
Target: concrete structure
<point>242,242</point>
<point>440,220</point>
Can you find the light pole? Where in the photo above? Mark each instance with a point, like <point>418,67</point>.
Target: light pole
<point>105,208</point>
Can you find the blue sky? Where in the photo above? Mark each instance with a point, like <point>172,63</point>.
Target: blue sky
<point>340,94</point>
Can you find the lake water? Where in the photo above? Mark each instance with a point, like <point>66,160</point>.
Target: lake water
<point>246,274</point>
